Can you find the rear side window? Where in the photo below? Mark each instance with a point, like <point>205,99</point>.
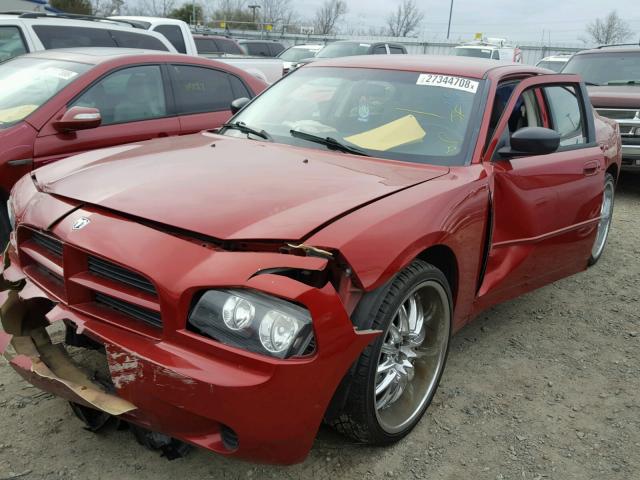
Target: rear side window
<point>380,50</point>
<point>201,89</point>
<point>396,50</point>
<point>229,46</point>
<point>276,49</point>
<point>11,43</point>
<point>137,40</point>
<point>68,37</point>
<point>127,95</point>
<point>566,114</point>
<point>174,35</point>
<point>258,49</point>
<point>206,45</point>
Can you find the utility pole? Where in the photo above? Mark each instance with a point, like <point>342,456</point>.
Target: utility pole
<point>193,13</point>
<point>450,13</point>
<point>253,9</point>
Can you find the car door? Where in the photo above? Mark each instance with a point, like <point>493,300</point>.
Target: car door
<point>203,96</point>
<point>545,208</point>
<point>134,106</point>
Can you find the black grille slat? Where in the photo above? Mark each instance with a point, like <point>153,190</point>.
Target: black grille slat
<point>139,313</point>
<point>50,244</point>
<point>114,272</point>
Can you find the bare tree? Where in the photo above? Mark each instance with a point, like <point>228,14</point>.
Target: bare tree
<point>405,20</point>
<point>156,8</point>
<point>610,29</point>
<point>275,12</point>
<point>327,16</point>
<point>106,8</point>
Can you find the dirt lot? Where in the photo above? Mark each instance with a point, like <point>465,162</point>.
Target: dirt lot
<point>546,386</point>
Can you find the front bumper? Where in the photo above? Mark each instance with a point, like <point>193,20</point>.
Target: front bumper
<point>175,381</point>
<point>630,157</point>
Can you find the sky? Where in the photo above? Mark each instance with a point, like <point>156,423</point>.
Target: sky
<point>517,20</point>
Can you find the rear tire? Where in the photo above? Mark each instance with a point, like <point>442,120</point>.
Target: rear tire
<point>606,213</point>
<point>397,375</point>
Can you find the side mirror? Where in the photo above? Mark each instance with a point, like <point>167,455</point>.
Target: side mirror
<point>238,104</point>
<point>532,141</point>
<point>78,118</point>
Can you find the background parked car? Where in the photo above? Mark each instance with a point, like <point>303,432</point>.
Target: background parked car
<point>216,45</point>
<point>32,32</point>
<point>554,62</point>
<point>493,48</point>
<point>292,55</point>
<point>347,48</point>
<point>612,74</point>
<point>261,48</point>
<point>57,103</point>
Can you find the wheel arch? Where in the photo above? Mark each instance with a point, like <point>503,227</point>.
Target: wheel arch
<point>444,259</point>
<point>614,171</point>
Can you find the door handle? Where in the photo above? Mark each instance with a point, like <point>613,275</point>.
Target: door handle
<point>590,168</point>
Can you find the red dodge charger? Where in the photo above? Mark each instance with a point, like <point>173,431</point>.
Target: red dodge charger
<point>58,103</point>
<point>309,261</point>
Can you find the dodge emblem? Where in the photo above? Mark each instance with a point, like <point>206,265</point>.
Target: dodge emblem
<point>80,223</point>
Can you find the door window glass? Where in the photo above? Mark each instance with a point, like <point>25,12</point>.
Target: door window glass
<point>68,37</point>
<point>200,89</point>
<point>137,40</point>
<point>11,43</point>
<point>396,50</point>
<point>566,114</point>
<point>174,35</point>
<point>380,50</point>
<point>257,49</point>
<point>128,95</point>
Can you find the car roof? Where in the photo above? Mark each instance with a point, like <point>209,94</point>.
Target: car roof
<point>557,58</point>
<point>446,64</point>
<point>215,37</point>
<point>612,48</point>
<point>52,19</point>
<point>307,46</point>
<point>251,40</point>
<point>96,55</point>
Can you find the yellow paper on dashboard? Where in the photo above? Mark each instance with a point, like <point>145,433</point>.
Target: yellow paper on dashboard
<point>393,134</point>
<point>14,114</point>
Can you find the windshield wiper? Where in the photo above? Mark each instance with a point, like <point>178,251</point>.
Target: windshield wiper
<point>624,82</point>
<point>329,142</point>
<point>242,127</point>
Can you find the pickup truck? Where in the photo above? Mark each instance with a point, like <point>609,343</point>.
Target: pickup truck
<point>179,34</point>
<point>612,75</point>
<point>309,261</point>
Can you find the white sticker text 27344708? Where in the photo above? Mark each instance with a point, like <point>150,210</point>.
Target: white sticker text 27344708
<point>448,81</point>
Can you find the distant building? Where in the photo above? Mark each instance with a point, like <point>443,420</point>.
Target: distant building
<point>26,5</point>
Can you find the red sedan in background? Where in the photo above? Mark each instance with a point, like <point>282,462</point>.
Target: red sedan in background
<point>58,103</point>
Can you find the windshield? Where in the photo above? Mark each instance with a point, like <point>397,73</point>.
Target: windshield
<point>334,50</point>
<point>296,54</point>
<point>473,52</point>
<point>550,65</point>
<point>28,83</point>
<point>410,116</point>
<point>606,68</point>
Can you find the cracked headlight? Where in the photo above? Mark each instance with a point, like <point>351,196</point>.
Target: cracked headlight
<point>253,321</point>
<point>11,214</point>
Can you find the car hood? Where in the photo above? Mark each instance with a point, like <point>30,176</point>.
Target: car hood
<point>229,188</point>
<point>618,96</point>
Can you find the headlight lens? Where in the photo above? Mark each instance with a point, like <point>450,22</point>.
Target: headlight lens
<point>11,214</point>
<point>253,321</point>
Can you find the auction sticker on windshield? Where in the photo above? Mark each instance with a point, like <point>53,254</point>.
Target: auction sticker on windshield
<point>448,81</point>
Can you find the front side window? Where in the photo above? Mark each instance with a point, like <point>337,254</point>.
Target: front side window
<point>11,43</point>
<point>201,89</point>
<point>606,68</point>
<point>228,46</point>
<point>257,49</point>
<point>137,40</point>
<point>411,116</point>
<point>128,95</point>
<point>174,35</point>
<point>396,50</point>
<point>380,50</point>
<point>28,83</point>
<point>566,114</point>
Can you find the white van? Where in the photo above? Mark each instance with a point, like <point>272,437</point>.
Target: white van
<point>31,32</point>
<point>493,48</point>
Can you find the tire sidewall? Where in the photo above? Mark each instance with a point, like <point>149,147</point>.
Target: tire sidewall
<point>608,178</point>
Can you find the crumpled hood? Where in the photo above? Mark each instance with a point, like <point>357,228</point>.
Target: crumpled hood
<point>237,189</point>
<point>618,96</point>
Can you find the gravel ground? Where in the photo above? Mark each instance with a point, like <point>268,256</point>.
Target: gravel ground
<point>545,386</point>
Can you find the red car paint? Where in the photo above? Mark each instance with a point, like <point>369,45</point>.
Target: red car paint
<point>35,142</point>
<point>496,228</point>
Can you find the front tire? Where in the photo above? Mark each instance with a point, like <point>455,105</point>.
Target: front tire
<point>606,212</point>
<point>397,376</point>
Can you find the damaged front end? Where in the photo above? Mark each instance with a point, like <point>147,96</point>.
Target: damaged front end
<point>131,292</point>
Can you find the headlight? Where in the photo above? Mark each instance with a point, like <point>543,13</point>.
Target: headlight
<point>253,321</point>
<point>11,214</point>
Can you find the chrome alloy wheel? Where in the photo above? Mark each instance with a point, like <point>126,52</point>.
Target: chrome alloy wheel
<point>412,356</point>
<point>606,211</point>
